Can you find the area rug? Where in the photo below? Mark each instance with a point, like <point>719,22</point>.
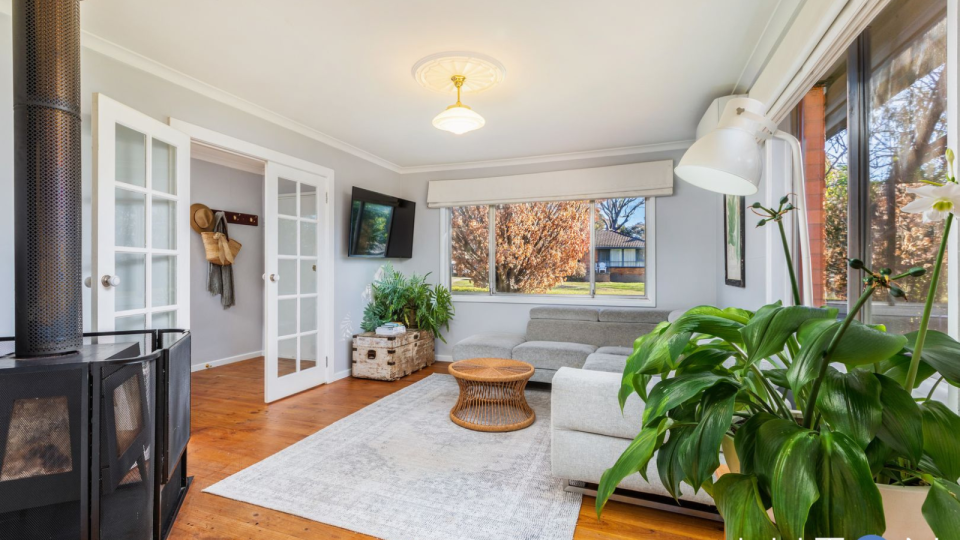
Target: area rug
<point>401,470</point>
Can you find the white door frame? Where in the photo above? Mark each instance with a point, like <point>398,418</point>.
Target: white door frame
<point>233,145</point>
<point>111,112</point>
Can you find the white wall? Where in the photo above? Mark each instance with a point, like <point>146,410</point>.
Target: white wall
<point>220,333</point>
<point>161,99</point>
<point>685,258</point>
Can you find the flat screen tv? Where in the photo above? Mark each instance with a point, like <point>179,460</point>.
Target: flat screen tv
<point>381,226</point>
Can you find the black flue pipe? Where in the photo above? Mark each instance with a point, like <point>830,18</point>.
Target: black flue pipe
<point>47,177</point>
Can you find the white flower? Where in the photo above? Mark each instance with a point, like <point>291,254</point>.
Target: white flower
<point>934,202</point>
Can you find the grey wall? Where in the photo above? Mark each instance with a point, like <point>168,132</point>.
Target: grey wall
<point>224,333</point>
<point>685,258</point>
<point>161,99</point>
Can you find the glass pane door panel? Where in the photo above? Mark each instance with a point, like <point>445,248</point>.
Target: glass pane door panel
<point>288,277</point>
<point>308,239</point>
<point>131,293</point>
<point>130,219</point>
<point>287,317</point>
<point>308,351</point>
<point>164,167</point>
<point>287,237</point>
<point>131,157</point>
<point>164,224</point>
<point>164,319</point>
<point>287,199</point>
<point>131,322</point>
<point>308,314</point>
<point>287,356</point>
<point>308,201</point>
<point>164,278</point>
<point>308,276</point>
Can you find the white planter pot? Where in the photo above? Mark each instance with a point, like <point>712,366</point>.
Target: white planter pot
<point>902,508</point>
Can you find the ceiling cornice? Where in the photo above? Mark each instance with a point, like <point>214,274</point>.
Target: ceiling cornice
<point>126,56</point>
<point>550,158</point>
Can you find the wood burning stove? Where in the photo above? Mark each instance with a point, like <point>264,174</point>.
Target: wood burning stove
<point>93,431</point>
<point>93,445</point>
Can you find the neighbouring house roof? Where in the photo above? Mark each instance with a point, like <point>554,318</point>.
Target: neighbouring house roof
<point>607,239</point>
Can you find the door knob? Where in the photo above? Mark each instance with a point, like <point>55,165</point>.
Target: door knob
<point>110,281</point>
<point>274,278</point>
<point>88,282</point>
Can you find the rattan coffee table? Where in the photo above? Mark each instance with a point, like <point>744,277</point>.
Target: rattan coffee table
<point>492,394</point>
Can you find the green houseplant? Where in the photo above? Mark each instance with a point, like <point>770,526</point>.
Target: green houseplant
<point>411,301</point>
<point>820,473</point>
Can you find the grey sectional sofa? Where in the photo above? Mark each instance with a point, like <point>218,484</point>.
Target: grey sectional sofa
<point>576,337</point>
<point>583,352</point>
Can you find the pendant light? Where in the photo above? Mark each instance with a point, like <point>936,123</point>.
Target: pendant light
<point>458,118</point>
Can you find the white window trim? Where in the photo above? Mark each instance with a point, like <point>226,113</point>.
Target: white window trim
<point>648,301</point>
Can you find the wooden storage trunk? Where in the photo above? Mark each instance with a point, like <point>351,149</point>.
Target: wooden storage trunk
<point>390,358</point>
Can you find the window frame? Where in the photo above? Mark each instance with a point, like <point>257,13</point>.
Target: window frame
<point>492,297</point>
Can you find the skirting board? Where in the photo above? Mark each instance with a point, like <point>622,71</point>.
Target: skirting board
<point>443,358</point>
<point>225,361</point>
<point>341,375</point>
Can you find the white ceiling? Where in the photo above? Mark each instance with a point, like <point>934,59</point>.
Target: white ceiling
<point>581,76</point>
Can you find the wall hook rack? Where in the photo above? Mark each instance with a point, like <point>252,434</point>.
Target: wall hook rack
<point>239,218</point>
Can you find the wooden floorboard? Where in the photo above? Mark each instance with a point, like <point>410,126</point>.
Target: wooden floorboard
<point>233,429</point>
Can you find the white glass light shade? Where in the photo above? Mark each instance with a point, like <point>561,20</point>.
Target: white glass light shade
<point>726,160</point>
<point>458,119</point>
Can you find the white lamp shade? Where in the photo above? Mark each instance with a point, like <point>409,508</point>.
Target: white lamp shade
<point>458,119</point>
<point>726,160</point>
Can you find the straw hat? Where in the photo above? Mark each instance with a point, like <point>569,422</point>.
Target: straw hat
<point>201,217</point>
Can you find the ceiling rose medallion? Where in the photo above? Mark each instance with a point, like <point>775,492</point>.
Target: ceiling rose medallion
<point>465,72</point>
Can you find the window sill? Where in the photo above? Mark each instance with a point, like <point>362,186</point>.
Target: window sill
<point>599,301</point>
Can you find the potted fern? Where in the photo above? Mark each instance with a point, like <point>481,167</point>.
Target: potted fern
<point>863,455</point>
<point>411,301</point>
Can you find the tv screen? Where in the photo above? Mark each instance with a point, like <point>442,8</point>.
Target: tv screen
<point>381,226</point>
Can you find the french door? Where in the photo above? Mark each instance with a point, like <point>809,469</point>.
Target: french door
<point>298,275</point>
<point>141,257</point>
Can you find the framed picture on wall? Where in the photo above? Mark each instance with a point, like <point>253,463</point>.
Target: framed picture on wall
<point>733,240</point>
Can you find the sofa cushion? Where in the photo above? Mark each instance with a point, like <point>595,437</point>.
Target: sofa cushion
<point>619,351</point>
<point>553,354</point>
<point>632,315</point>
<point>612,363</point>
<point>487,346</point>
<point>564,313</point>
<point>598,334</point>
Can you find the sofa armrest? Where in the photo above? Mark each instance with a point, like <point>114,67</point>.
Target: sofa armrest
<point>586,401</point>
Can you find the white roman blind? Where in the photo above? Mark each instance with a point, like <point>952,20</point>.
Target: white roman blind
<point>650,179</point>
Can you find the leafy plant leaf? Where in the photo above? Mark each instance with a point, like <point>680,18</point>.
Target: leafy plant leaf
<point>704,358</point>
<point>634,459</point>
<point>901,426</point>
<point>940,429</point>
<point>670,393</point>
<point>699,453</point>
<point>850,403</point>
<point>863,344</point>
<point>794,489</point>
<point>849,505</point>
<point>941,509</point>
<point>941,352</point>
<point>711,321</point>
<point>814,337</point>
<point>668,462</point>
<point>744,516</point>
<point>745,441</point>
<point>896,368</point>
<point>767,333</point>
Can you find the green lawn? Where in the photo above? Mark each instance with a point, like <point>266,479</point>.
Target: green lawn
<point>464,285</point>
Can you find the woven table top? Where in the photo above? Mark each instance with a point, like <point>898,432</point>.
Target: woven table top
<point>491,370</point>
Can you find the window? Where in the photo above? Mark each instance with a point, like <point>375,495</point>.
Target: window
<point>873,128</point>
<point>569,248</point>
